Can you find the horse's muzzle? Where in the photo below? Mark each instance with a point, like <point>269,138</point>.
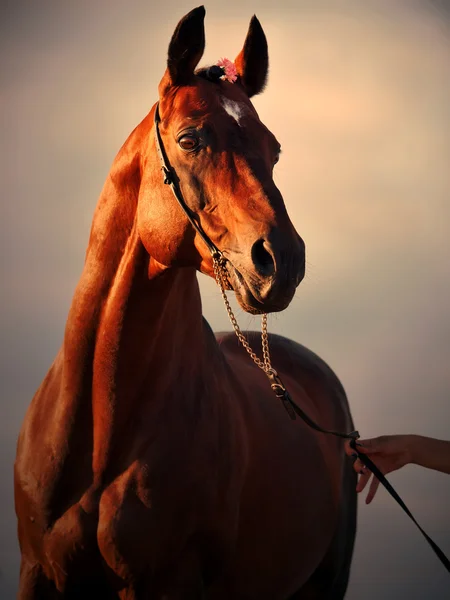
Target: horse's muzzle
<point>268,282</point>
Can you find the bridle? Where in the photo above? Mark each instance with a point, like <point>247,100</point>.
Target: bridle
<point>171,179</point>
<point>219,263</point>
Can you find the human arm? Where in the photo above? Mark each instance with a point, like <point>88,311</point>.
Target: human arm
<point>391,452</point>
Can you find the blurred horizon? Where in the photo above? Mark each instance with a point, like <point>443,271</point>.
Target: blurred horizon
<point>358,95</point>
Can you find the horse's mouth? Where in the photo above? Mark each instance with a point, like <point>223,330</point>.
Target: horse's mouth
<point>247,294</point>
<point>244,296</point>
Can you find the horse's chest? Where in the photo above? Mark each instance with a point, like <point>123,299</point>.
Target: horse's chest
<point>153,510</point>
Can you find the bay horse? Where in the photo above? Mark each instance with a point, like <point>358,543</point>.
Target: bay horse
<point>154,460</point>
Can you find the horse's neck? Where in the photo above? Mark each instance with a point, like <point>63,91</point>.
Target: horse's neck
<point>128,337</point>
<point>149,339</point>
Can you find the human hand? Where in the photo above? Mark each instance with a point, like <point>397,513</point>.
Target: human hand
<point>388,453</point>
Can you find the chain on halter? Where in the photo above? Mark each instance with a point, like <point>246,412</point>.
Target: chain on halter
<point>264,364</point>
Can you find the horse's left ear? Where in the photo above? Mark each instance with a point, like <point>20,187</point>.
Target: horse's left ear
<point>252,63</point>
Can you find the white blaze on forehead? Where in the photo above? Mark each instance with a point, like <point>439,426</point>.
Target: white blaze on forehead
<point>234,109</point>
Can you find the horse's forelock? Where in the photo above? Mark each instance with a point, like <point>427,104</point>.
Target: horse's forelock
<point>212,73</point>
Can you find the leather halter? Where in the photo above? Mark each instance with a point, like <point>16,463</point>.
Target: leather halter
<point>292,408</point>
<point>171,179</point>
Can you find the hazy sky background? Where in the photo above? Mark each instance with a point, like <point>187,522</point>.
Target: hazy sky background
<point>359,96</point>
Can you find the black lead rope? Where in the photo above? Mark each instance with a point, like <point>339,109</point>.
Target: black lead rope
<point>382,479</point>
<point>292,408</point>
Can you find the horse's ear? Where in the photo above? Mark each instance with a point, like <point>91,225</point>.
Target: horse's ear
<point>186,48</point>
<point>252,63</point>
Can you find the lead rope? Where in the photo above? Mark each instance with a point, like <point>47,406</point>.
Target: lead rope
<point>265,364</point>
<point>292,408</point>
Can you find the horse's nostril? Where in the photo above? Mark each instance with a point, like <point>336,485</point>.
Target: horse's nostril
<point>262,258</point>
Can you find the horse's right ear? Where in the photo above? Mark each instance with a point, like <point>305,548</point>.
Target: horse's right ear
<point>185,49</point>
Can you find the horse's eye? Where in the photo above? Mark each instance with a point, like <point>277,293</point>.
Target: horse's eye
<point>188,142</point>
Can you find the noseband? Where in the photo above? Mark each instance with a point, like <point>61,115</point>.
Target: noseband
<point>170,178</point>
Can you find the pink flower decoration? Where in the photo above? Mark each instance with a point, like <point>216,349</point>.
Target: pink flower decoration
<point>230,73</point>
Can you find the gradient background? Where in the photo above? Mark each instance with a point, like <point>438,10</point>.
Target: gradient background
<point>359,96</point>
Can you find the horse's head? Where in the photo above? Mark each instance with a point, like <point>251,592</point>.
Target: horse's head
<point>223,157</point>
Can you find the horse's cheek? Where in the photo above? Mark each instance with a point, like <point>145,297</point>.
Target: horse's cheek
<point>164,231</point>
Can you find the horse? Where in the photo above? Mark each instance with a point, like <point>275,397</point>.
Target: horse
<point>154,460</point>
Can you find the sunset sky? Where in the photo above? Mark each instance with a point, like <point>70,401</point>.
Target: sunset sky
<point>359,97</point>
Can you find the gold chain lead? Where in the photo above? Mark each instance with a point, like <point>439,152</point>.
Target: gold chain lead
<point>265,364</point>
